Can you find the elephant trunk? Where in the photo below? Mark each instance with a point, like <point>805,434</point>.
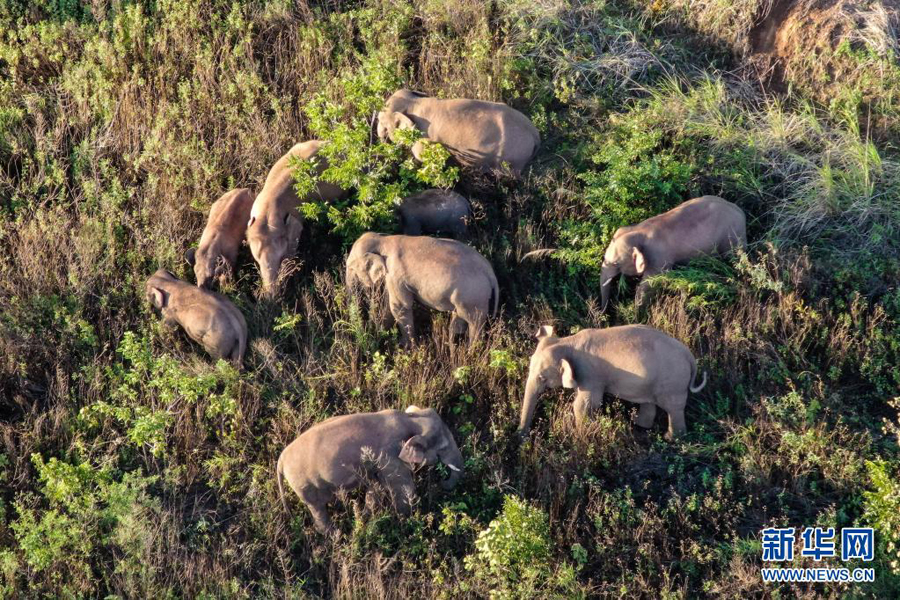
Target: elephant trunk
<point>607,274</point>
<point>452,458</point>
<point>529,402</point>
<point>268,271</point>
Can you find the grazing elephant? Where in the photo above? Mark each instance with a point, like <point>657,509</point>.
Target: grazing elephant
<point>337,455</point>
<point>481,134</point>
<point>435,211</point>
<point>634,362</point>
<point>216,256</point>
<point>705,225</point>
<point>209,318</point>
<point>442,274</point>
<point>275,225</point>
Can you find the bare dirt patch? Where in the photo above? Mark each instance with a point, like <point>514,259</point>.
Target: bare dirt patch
<point>803,43</point>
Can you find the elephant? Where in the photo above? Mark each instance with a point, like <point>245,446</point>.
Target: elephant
<point>435,211</point>
<point>705,225</point>
<point>209,318</point>
<point>633,362</point>
<point>275,225</point>
<point>442,274</point>
<point>216,256</point>
<point>338,453</point>
<point>477,133</point>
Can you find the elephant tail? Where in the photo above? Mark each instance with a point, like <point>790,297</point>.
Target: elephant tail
<point>279,473</point>
<point>691,387</point>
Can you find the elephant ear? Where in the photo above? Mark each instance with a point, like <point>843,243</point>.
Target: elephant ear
<point>639,262</point>
<point>413,451</point>
<point>401,121</point>
<point>544,331</point>
<point>568,374</point>
<point>159,297</point>
<point>375,267</point>
<point>191,256</point>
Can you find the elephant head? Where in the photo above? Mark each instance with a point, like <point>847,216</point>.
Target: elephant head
<point>395,114</point>
<point>366,266</point>
<point>389,121</point>
<point>273,238</point>
<point>208,266</point>
<point>434,443</point>
<point>157,294</point>
<point>367,271</point>
<point>624,255</point>
<point>551,367</point>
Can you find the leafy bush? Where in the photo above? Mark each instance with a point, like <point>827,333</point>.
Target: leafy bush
<point>639,176</point>
<point>90,510</point>
<point>882,511</point>
<point>360,161</point>
<point>514,555</point>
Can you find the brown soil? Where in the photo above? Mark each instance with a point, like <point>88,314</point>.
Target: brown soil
<point>794,41</point>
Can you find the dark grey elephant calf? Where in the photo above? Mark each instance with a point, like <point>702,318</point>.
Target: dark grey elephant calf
<point>435,211</point>
<point>337,454</point>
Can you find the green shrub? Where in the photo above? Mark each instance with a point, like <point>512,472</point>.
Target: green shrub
<point>638,175</point>
<point>89,509</point>
<point>514,556</point>
<point>361,162</point>
<point>882,510</point>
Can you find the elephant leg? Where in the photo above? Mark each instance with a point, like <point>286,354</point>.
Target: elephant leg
<point>317,500</point>
<point>674,407</point>
<point>587,403</point>
<point>397,478</point>
<point>400,302</point>
<point>475,318</point>
<point>646,415</point>
<point>458,325</point>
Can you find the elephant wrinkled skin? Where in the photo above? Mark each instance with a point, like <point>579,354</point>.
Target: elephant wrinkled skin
<point>275,225</point>
<point>215,258</point>
<point>337,454</point>
<point>705,225</point>
<point>633,362</point>
<point>478,133</point>
<point>442,274</point>
<point>209,318</point>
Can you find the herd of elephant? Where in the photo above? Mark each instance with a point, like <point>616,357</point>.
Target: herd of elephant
<point>633,362</point>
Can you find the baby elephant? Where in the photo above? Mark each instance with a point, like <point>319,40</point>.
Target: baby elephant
<point>338,454</point>
<point>442,274</point>
<point>634,362</point>
<point>481,134</point>
<point>208,318</point>
<point>435,211</point>
<point>216,256</point>
<point>706,225</point>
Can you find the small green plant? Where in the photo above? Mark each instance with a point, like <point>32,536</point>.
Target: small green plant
<point>89,509</point>
<point>514,555</point>
<point>882,510</point>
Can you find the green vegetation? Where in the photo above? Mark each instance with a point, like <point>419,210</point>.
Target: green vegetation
<point>132,466</point>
